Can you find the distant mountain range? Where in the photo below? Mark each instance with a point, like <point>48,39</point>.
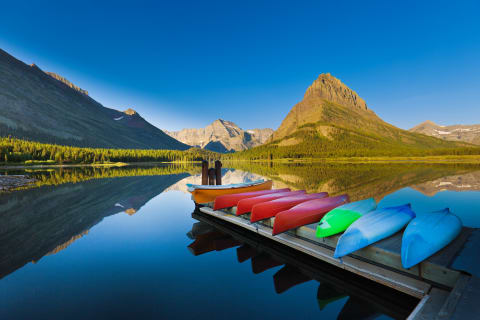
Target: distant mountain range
<point>465,133</point>
<point>45,107</point>
<point>222,136</point>
<point>333,120</point>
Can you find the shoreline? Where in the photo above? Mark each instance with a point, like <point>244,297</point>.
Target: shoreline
<point>106,165</point>
<point>11,183</point>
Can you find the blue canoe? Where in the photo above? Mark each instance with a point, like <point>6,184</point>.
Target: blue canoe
<point>372,227</point>
<point>427,234</point>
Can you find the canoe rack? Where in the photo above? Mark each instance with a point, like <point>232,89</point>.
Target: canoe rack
<point>439,288</point>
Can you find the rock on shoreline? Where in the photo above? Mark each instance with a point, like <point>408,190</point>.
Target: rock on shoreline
<point>8,183</point>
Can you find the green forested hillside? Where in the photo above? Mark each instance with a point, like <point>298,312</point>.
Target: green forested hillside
<point>14,150</point>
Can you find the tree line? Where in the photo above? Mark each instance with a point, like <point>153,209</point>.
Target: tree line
<point>13,150</point>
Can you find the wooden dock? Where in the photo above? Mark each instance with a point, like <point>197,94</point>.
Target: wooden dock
<point>443,292</point>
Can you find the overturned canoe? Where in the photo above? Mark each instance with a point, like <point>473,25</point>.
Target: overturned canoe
<point>246,205</point>
<point>372,227</point>
<point>270,209</point>
<point>231,200</point>
<point>206,194</point>
<point>339,219</point>
<point>427,234</point>
<point>306,213</point>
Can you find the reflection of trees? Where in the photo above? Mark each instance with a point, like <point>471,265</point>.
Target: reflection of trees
<point>45,220</point>
<point>358,180</point>
<point>47,177</point>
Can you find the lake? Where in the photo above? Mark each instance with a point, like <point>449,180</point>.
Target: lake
<point>125,243</point>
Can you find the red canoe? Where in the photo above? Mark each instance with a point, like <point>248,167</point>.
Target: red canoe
<point>269,209</point>
<point>230,200</point>
<point>246,205</point>
<point>306,213</point>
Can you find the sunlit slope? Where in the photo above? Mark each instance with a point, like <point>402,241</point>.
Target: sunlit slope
<point>48,108</point>
<point>332,120</point>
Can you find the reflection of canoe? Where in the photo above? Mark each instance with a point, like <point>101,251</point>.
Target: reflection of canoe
<point>263,262</point>
<point>246,205</point>
<point>427,234</point>
<point>288,277</point>
<point>205,243</point>
<point>246,252</point>
<point>198,229</point>
<point>372,227</point>
<point>231,200</point>
<point>339,219</point>
<point>327,294</point>
<point>357,309</point>
<point>306,213</point>
<point>206,194</point>
<point>225,243</point>
<point>270,209</point>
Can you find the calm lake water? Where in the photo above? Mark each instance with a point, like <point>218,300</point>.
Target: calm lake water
<point>125,243</point>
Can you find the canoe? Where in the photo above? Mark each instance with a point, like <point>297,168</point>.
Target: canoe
<point>270,209</point>
<point>339,219</point>
<point>207,194</point>
<point>372,227</point>
<point>192,187</point>
<point>306,213</point>
<point>427,234</point>
<point>231,200</point>
<point>246,205</point>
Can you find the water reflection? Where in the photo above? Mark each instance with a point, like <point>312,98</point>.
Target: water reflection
<point>361,298</point>
<point>42,221</point>
<point>68,202</point>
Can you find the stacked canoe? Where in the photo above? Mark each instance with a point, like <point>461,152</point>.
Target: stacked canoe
<point>361,223</point>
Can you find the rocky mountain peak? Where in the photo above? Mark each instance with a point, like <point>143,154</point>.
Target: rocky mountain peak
<point>222,136</point>
<point>65,81</point>
<point>130,112</point>
<point>329,88</point>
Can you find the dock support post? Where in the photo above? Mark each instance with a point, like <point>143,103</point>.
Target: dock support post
<point>218,172</point>
<point>204,172</point>
<point>211,176</point>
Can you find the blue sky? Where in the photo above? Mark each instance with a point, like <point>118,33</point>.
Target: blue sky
<point>187,63</point>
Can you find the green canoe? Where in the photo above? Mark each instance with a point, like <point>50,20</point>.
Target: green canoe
<point>340,218</point>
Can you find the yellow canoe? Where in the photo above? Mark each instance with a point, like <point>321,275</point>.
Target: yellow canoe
<point>203,196</point>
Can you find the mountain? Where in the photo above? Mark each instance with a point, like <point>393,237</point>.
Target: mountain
<point>222,136</point>
<point>46,107</point>
<point>465,133</point>
<point>332,120</point>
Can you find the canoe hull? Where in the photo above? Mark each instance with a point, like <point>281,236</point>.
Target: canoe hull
<point>270,209</point>
<point>231,200</point>
<point>306,213</point>
<point>246,205</point>
<point>427,234</point>
<point>339,219</point>
<point>203,196</point>
<point>372,227</point>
